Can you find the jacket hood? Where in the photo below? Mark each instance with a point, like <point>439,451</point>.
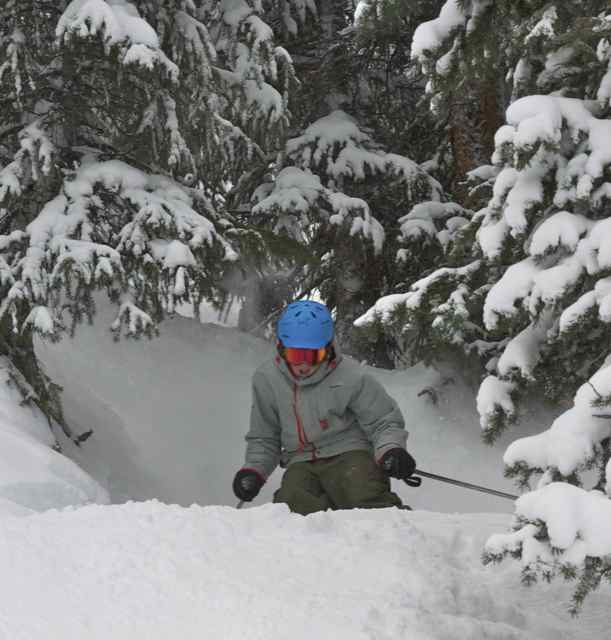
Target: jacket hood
<point>327,367</point>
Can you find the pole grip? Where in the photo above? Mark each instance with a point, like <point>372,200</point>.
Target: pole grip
<point>413,481</point>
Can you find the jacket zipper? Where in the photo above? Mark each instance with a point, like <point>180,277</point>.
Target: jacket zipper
<point>301,435</point>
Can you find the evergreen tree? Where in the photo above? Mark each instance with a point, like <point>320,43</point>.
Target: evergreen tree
<point>479,56</point>
<point>329,198</point>
<point>122,124</point>
<point>529,297</point>
<point>338,112</point>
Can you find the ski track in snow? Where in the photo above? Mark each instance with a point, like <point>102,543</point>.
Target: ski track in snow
<point>155,571</point>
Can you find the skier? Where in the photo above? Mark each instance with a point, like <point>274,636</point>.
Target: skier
<point>331,424</point>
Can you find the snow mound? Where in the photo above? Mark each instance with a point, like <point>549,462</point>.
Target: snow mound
<point>34,477</point>
<point>150,570</point>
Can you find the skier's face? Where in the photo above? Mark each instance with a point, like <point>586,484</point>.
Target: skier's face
<point>302,361</point>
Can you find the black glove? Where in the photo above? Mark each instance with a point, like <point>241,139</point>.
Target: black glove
<point>397,463</point>
<point>247,484</point>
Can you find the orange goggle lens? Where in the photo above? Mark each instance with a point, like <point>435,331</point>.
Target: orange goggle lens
<point>299,356</point>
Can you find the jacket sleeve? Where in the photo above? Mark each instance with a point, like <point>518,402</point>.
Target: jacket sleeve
<point>263,438</point>
<point>379,416</point>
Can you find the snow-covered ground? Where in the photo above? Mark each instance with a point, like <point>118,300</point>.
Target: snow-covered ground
<point>155,571</point>
<point>33,476</point>
<point>169,419</point>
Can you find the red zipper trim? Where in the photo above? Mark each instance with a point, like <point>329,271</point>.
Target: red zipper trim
<point>301,434</point>
<point>300,430</point>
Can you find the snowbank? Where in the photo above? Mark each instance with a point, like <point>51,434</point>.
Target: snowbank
<point>155,571</point>
<point>34,477</point>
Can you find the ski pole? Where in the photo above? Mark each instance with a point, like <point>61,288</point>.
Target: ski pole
<point>415,482</point>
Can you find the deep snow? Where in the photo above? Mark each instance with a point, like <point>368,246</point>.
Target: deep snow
<point>148,570</point>
<point>33,476</point>
<point>169,419</point>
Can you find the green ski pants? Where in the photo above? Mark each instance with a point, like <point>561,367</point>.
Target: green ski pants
<point>350,480</point>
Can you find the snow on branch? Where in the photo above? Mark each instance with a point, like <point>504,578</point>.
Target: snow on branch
<point>119,24</point>
<point>193,38</point>
<point>560,527</point>
<point>538,123</point>
<point>431,222</point>
<point>16,47</point>
<point>252,63</point>
<point>10,180</point>
<point>335,146</point>
<point>430,36</point>
<point>523,351</point>
<point>234,139</point>
<point>603,53</point>
<point>551,145</point>
<point>563,529</point>
<point>438,45</point>
<point>596,301</point>
<point>178,148</point>
<point>40,319</point>
<point>135,321</point>
<point>298,203</point>
<point>495,403</point>
<point>551,48</point>
<point>293,190</point>
<point>571,443</point>
<point>298,8</point>
<point>117,227</point>
<point>33,160</point>
<point>258,99</point>
<point>389,306</point>
<point>355,211</point>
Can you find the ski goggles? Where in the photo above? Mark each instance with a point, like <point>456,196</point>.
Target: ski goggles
<point>292,355</point>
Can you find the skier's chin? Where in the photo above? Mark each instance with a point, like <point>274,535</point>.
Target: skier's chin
<point>302,373</point>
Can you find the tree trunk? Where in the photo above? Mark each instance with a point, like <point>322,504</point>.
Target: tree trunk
<point>473,121</point>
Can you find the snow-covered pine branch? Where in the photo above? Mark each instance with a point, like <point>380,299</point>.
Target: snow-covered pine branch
<point>119,136</point>
<point>295,13</point>
<point>547,219</point>
<point>256,76</point>
<point>298,205</point>
<point>434,313</point>
<point>117,24</point>
<point>539,47</point>
<point>550,202</point>
<point>335,194</point>
<point>479,56</point>
<point>120,229</point>
<point>346,159</point>
<point>561,530</point>
<point>339,150</point>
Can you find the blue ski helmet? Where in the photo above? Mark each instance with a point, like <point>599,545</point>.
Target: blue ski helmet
<point>305,325</point>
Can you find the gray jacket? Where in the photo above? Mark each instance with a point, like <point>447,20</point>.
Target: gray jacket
<point>339,408</point>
